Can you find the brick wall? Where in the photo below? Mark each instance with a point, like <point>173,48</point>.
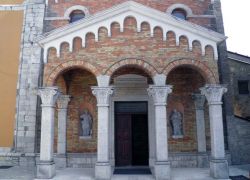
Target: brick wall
<point>58,9</point>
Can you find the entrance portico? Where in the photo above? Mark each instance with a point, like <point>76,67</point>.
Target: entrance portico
<point>135,60</point>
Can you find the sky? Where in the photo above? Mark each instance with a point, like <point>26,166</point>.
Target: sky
<point>236,16</point>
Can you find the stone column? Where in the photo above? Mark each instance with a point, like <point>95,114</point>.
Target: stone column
<point>62,108</point>
<point>162,164</point>
<point>103,167</point>
<point>46,165</point>
<point>199,101</point>
<point>218,163</point>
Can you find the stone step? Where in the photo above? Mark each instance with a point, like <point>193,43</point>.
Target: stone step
<point>132,177</point>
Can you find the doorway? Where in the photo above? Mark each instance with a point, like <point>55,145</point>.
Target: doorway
<point>131,134</point>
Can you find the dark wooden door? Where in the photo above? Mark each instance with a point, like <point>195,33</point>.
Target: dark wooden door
<point>140,152</point>
<point>123,140</point>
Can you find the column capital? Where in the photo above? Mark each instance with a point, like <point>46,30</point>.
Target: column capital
<point>102,94</point>
<point>160,93</point>
<point>48,95</point>
<point>213,93</point>
<point>63,101</point>
<point>199,101</point>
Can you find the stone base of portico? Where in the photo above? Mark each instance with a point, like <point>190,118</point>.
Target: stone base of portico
<point>60,161</point>
<point>46,169</point>
<point>162,170</point>
<point>103,171</point>
<point>202,160</point>
<point>219,169</point>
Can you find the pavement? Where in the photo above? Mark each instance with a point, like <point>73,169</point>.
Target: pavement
<point>22,173</point>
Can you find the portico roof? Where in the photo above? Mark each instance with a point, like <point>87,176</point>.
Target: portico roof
<point>118,14</point>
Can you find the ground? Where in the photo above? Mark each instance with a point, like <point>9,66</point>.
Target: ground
<point>20,173</point>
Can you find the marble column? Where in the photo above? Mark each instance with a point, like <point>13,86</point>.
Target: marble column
<point>62,108</point>
<point>162,164</point>
<point>199,101</point>
<point>218,162</point>
<point>46,165</point>
<point>103,166</point>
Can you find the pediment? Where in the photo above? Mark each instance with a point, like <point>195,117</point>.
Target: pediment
<point>142,14</point>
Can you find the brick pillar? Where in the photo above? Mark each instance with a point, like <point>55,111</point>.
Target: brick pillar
<point>218,162</point>
<point>162,164</point>
<point>46,165</point>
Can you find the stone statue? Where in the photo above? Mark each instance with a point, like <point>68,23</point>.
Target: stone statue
<point>86,121</point>
<point>176,123</point>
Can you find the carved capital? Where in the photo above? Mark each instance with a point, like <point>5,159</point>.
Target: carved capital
<point>63,101</point>
<point>199,101</point>
<point>102,94</point>
<point>213,93</point>
<point>160,93</point>
<point>48,95</point>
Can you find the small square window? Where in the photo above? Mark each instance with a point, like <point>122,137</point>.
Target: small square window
<point>243,87</point>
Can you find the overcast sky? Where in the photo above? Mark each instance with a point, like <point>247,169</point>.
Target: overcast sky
<point>236,15</point>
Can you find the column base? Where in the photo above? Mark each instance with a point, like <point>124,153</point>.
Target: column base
<point>60,161</point>
<point>103,171</point>
<point>45,170</point>
<point>162,170</point>
<point>219,169</point>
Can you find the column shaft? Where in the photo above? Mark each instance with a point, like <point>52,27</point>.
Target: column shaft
<point>62,123</point>
<point>161,133</point>
<point>47,134</point>
<point>217,135</point>
<point>103,141</point>
<point>201,131</point>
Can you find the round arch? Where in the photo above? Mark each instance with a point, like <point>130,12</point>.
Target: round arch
<point>61,68</point>
<point>206,73</point>
<point>148,68</point>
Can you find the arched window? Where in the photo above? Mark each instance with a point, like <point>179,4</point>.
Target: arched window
<point>179,13</point>
<point>76,15</point>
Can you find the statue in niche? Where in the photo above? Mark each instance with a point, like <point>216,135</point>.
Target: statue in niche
<point>176,123</point>
<point>86,122</point>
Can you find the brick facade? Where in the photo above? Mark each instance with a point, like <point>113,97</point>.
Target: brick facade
<point>128,50</point>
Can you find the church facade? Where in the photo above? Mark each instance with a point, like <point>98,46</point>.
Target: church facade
<point>111,84</point>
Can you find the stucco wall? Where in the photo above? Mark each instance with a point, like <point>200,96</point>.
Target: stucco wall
<point>11,1</point>
<point>10,35</point>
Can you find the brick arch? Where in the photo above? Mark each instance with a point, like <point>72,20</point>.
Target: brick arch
<point>205,71</point>
<point>148,68</point>
<point>61,68</point>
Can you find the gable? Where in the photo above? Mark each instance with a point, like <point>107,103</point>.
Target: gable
<point>118,14</point>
